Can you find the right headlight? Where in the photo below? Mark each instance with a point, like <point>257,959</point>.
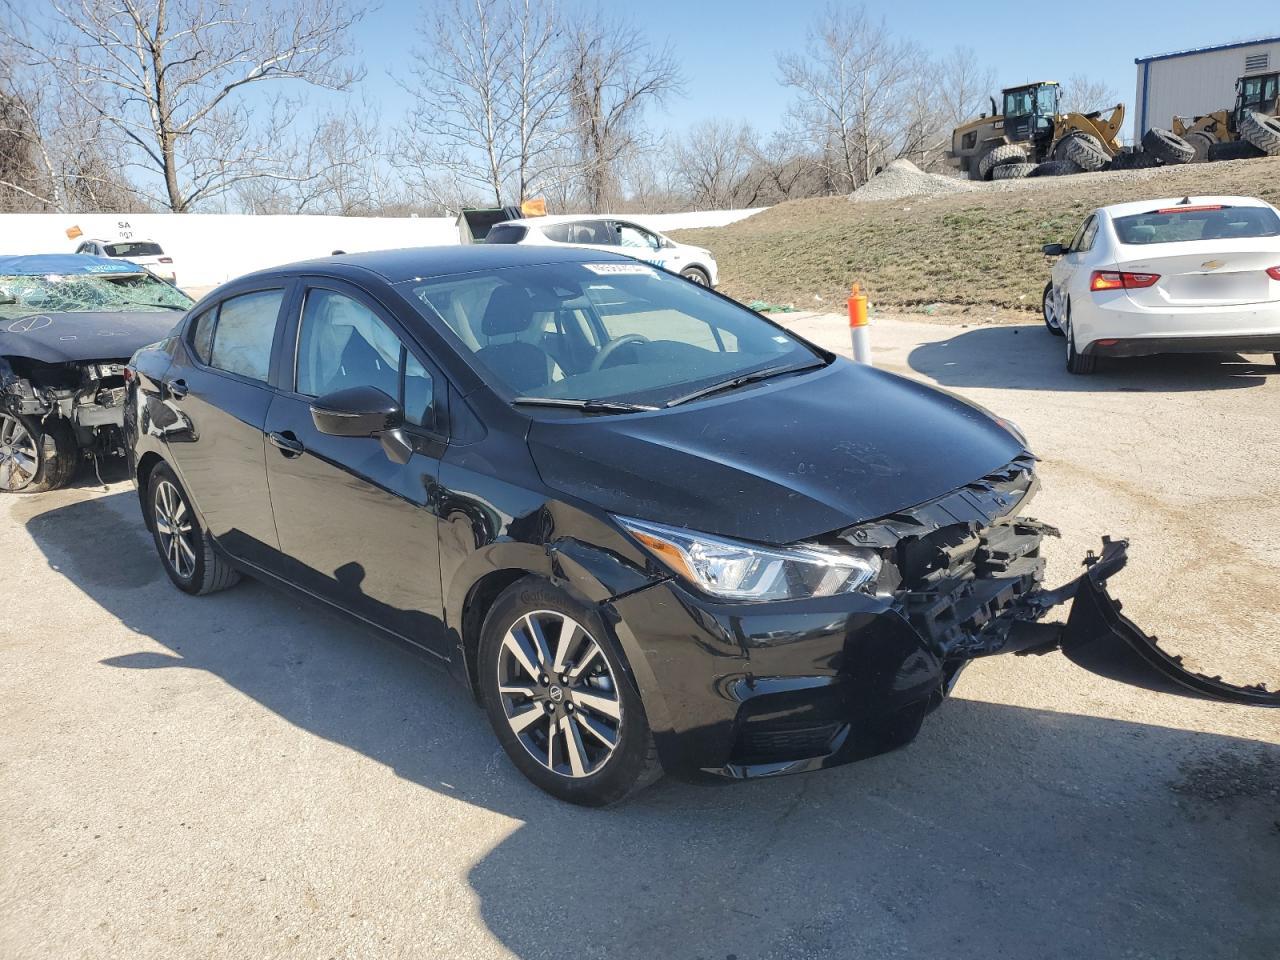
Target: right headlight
<point>743,571</point>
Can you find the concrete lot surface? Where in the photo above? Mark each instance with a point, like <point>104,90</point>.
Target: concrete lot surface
<point>244,775</point>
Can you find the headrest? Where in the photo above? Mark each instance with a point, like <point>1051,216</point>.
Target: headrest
<point>511,310</point>
<point>1141,233</point>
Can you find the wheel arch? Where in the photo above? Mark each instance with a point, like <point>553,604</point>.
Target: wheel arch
<point>142,479</point>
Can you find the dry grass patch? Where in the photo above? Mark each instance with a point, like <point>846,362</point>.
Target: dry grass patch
<point>977,249</point>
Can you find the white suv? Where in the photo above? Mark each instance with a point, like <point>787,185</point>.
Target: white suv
<point>145,253</point>
<point>615,234</point>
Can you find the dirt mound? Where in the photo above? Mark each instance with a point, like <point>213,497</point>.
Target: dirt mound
<point>902,179</point>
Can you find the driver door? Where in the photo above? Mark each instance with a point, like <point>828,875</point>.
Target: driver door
<point>355,527</point>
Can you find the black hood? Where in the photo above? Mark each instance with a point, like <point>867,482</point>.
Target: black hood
<point>780,462</point>
<point>71,337</point>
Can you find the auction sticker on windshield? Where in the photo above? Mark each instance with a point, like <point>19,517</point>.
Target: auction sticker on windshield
<point>606,269</point>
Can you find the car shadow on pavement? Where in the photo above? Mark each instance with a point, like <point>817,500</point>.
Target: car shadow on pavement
<point>1003,831</point>
<point>1028,357</point>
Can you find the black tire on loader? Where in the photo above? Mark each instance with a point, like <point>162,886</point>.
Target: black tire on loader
<point>1168,146</point>
<point>1013,171</point>
<point>1234,150</point>
<point>1262,131</point>
<point>1082,149</point>
<point>1200,142</point>
<point>997,156</point>
<point>1054,168</point>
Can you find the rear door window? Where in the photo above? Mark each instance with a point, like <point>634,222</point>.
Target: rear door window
<point>1077,243</point>
<point>244,332</point>
<point>1197,223</point>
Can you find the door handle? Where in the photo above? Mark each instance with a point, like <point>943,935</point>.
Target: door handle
<point>177,389</point>
<point>286,443</point>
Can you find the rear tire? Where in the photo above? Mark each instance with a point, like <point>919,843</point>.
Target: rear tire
<point>186,550</point>
<point>1262,131</point>
<point>1051,322</point>
<point>696,275</point>
<point>1082,149</point>
<point>1168,146</point>
<point>583,739</point>
<point>1013,171</point>
<point>1078,363</point>
<point>1234,150</point>
<point>36,456</point>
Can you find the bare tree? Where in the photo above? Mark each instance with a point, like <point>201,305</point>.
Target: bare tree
<point>1082,94</point>
<point>851,78</point>
<point>713,163</point>
<point>168,78</point>
<point>962,86</point>
<point>615,77</point>
<point>491,106</point>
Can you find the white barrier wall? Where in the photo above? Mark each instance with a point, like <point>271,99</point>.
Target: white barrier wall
<point>209,249</point>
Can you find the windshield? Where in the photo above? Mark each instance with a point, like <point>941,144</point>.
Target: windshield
<point>604,331</point>
<point>134,249</point>
<point>1197,223</point>
<point>21,296</point>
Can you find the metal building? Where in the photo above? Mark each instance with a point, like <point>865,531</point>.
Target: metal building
<point>1191,83</point>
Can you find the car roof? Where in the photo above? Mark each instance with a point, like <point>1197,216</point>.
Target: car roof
<point>63,264</point>
<point>422,263</point>
<point>1147,206</point>
<point>569,218</point>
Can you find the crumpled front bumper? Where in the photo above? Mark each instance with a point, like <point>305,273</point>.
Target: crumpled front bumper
<point>1098,637</point>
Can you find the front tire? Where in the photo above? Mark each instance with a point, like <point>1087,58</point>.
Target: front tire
<point>554,684</point>
<point>1050,312</point>
<point>696,275</point>
<point>35,456</point>
<point>186,549</point>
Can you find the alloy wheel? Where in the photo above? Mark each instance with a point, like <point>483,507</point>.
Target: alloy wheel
<point>559,693</point>
<point>1051,319</point>
<point>19,455</point>
<point>174,528</point>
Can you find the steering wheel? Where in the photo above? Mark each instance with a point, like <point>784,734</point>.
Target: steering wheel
<point>612,346</point>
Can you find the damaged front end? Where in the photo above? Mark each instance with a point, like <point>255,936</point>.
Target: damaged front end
<point>966,572</point>
<point>86,396</point>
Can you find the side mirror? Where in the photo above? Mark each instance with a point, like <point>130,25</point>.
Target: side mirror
<point>363,412</point>
<point>1054,249</point>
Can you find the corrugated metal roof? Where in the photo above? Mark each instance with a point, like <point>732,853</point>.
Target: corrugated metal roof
<point>1195,50</point>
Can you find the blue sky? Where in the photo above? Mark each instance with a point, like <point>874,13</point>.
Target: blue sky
<point>728,47</point>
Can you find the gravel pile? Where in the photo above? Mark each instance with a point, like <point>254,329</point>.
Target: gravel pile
<point>902,179</point>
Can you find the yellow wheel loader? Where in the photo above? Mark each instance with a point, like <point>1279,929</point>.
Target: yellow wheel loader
<point>1033,138</point>
<point>1249,129</point>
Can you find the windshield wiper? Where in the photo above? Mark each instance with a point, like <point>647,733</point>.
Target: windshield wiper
<point>742,380</point>
<point>586,406</point>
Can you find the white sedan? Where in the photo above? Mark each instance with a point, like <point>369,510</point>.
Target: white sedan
<point>1184,275</point>
<point>615,234</point>
<point>145,253</point>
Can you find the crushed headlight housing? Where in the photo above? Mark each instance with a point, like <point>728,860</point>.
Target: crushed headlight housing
<point>743,571</point>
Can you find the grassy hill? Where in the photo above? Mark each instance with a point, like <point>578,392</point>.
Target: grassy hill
<point>976,249</point>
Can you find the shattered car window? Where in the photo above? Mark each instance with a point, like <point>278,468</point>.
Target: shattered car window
<point>21,296</point>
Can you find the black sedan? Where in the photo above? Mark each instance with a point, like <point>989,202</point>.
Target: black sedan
<point>648,528</point>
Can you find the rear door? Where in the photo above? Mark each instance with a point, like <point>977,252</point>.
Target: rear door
<point>1074,264</point>
<point>357,528</point>
<point>217,389</point>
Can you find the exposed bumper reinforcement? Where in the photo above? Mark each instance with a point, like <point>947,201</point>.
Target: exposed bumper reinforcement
<point>1098,637</point>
